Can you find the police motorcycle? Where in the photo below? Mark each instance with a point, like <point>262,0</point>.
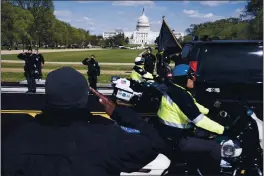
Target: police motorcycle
<point>125,93</point>
<point>242,149</point>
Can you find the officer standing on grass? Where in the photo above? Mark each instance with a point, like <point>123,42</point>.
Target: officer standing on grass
<point>150,61</point>
<point>93,70</point>
<point>39,63</point>
<point>29,69</point>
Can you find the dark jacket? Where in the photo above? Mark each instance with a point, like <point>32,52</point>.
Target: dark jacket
<point>39,60</point>
<point>93,67</point>
<point>76,143</point>
<point>30,62</point>
<point>150,61</point>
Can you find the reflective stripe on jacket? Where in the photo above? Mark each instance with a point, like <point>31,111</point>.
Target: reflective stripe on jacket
<point>179,109</point>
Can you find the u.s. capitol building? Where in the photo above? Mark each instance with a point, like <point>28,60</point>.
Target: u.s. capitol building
<point>143,34</point>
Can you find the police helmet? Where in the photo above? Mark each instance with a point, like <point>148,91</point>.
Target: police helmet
<point>139,60</point>
<point>183,70</point>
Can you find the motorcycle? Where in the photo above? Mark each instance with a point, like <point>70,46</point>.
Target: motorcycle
<point>242,150</point>
<point>133,94</point>
<point>123,94</point>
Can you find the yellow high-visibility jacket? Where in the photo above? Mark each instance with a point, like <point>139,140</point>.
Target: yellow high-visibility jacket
<point>139,74</point>
<point>179,109</point>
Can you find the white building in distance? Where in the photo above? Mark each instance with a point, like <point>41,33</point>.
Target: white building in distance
<point>179,35</point>
<point>142,34</point>
<point>110,34</point>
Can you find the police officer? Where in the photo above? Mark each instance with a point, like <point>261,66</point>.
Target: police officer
<point>159,64</point>
<point>93,70</point>
<point>66,139</point>
<point>139,73</point>
<point>29,69</point>
<point>150,61</point>
<point>39,63</point>
<point>179,113</point>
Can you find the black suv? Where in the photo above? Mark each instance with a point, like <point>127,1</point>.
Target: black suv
<point>227,70</point>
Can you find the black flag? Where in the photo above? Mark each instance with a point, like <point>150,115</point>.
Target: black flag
<point>167,40</point>
<point>168,49</point>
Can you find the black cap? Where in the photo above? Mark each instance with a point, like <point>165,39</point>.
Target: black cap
<point>66,88</point>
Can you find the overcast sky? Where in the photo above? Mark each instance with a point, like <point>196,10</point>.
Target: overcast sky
<point>100,16</point>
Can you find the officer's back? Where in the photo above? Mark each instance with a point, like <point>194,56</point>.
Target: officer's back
<point>65,139</point>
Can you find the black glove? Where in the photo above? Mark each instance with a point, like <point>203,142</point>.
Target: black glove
<point>227,131</point>
<point>136,86</point>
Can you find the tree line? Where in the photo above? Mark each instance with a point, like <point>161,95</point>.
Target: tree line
<point>32,22</point>
<point>248,26</point>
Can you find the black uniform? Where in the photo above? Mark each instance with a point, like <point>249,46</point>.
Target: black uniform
<point>93,71</point>
<point>73,143</point>
<point>159,63</point>
<point>29,70</point>
<point>39,61</point>
<point>150,61</point>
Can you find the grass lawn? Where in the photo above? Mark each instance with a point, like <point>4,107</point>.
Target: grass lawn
<point>17,77</point>
<point>111,55</point>
<point>78,67</point>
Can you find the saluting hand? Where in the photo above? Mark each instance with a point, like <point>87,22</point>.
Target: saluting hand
<point>107,103</point>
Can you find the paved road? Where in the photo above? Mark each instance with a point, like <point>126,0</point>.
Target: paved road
<point>68,63</point>
<point>105,72</point>
<point>50,50</point>
<point>72,63</point>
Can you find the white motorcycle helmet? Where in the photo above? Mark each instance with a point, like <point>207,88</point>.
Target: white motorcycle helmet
<point>139,60</point>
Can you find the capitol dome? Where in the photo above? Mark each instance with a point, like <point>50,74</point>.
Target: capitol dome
<point>143,23</point>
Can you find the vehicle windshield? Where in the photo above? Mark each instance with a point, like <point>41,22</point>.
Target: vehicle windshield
<point>233,62</point>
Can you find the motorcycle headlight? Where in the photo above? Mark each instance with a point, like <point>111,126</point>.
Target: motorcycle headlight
<point>228,150</point>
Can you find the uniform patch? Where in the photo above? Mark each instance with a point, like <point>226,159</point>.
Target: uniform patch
<point>129,130</point>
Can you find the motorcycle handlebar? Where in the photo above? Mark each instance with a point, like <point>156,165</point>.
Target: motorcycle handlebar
<point>242,108</point>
